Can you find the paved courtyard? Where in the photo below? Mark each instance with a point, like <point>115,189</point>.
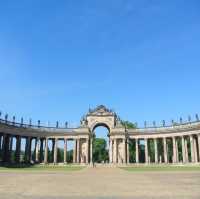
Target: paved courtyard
<point>100,183</point>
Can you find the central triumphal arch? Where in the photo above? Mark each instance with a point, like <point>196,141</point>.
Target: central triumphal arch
<point>180,139</point>
<point>101,116</point>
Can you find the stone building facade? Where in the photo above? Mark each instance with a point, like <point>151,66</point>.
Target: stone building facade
<point>184,139</point>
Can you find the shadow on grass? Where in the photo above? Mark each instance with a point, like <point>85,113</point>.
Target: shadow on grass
<point>162,168</point>
<point>39,167</point>
<point>17,166</point>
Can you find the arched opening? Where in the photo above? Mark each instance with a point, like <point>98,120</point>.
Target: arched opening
<point>100,143</point>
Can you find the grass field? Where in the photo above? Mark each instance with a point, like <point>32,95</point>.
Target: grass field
<point>162,168</point>
<point>41,168</point>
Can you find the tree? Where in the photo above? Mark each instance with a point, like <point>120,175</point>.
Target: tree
<point>70,156</point>
<point>132,151</point>
<point>128,125</point>
<point>60,155</point>
<point>100,153</point>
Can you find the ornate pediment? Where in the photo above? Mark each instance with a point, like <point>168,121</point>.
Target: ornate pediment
<point>99,115</point>
<point>101,111</point>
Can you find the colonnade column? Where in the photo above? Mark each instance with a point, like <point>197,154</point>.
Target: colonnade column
<point>91,150</point>
<point>177,152</point>
<point>55,154</point>
<point>111,151</point>
<point>124,150</point>
<point>199,145</point>
<point>10,148</point>
<point>174,149</point>
<point>165,150</point>
<point>115,151</point>
<point>192,148</point>
<point>127,152</point>
<point>65,151</point>
<point>78,151</point>
<point>37,150</point>
<point>183,149</point>
<point>186,151</point>
<point>74,152</point>
<point>46,151</point>
<point>136,151</point>
<point>87,151</point>
<point>5,147</point>
<point>146,150</point>
<point>195,150</point>
<point>18,149</point>
<point>28,149</point>
<point>156,150</point>
<point>0,142</point>
<point>52,149</point>
<point>41,150</point>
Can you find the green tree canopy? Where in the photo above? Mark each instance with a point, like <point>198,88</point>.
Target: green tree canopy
<point>100,153</point>
<point>128,124</point>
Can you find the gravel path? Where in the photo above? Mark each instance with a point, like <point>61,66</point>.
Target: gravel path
<point>100,183</point>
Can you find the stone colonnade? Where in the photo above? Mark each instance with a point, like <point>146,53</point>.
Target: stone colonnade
<point>38,153</point>
<point>184,148</point>
<point>187,151</point>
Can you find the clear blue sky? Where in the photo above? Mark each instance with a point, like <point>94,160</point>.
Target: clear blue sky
<point>141,58</point>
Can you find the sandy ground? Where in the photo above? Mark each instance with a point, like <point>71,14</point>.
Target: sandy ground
<point>100,183</point>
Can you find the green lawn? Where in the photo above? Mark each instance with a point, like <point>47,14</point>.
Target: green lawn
<point>41,168</point>
<point>142,168</point>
